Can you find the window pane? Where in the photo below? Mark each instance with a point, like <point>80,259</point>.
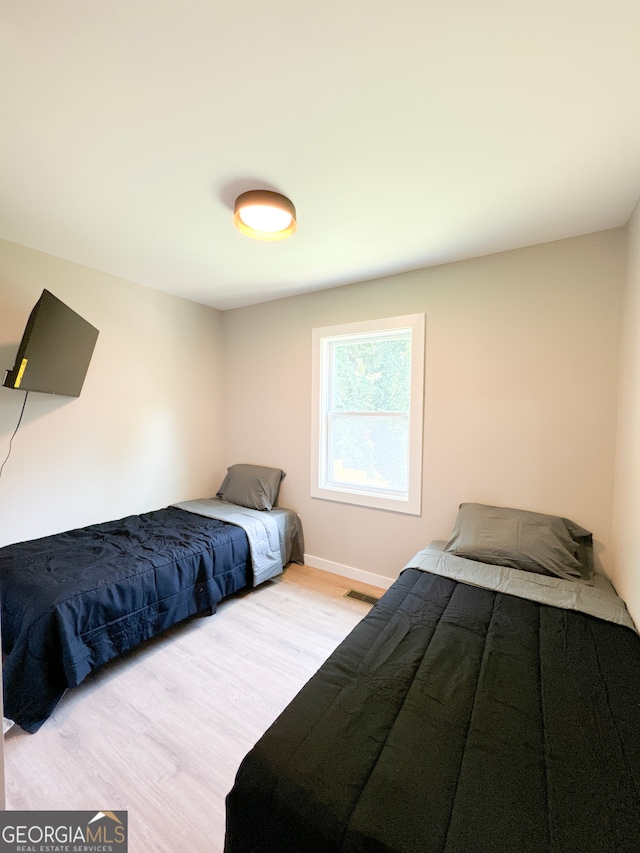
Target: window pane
<point>368,381</point>
<point>369,452</point>
<point>372,376</point>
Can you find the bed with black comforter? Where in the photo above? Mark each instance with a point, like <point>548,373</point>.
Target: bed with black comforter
<point>75,600</point>
<point>465,714</point>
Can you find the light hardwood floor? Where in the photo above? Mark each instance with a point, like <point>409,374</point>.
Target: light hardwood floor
<point>161,731</point>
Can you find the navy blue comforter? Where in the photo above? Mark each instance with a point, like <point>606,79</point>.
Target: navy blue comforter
<point>75,600</point>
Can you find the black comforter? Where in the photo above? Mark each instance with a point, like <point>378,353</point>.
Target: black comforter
<point>459,720</point>
<point>73,601</point>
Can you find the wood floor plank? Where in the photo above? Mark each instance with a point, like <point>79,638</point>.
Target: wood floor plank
<point>161,731</point>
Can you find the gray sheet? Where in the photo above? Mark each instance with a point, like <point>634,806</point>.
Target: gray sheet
<point>275,537</point>
<point>599,600</point>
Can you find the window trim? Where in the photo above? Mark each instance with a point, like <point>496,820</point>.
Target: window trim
<point>347,494</point>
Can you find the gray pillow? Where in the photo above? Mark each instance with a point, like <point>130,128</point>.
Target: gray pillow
<point>253,486</point>
<point>530,541</point>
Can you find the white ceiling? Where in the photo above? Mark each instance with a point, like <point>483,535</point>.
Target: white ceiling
<point>407,133</point>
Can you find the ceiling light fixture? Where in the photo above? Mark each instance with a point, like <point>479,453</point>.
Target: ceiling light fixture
<point>264,215</point>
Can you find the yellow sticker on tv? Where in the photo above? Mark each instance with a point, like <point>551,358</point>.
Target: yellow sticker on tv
<point>16,384</point>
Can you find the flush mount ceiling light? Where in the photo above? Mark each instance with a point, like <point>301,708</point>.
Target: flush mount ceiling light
<point>264,215</point>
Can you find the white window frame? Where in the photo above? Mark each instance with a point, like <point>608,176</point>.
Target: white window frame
<point>321,487</point>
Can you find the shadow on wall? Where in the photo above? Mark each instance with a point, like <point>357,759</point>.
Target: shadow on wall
<point>11,399</point>
<point>598,548</point>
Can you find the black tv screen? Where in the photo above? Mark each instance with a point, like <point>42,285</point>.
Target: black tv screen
<point>55,351</point>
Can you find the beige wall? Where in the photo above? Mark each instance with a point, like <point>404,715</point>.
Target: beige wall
<point>626,516</point>
<point>520,389</point>
<point>146,430</point>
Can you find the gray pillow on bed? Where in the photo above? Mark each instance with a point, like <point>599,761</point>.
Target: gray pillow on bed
<point>530,541</point>
<point>253,486</point>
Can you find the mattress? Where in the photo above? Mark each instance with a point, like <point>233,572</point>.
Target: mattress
<point>455,719</point>
<point>75,600</point>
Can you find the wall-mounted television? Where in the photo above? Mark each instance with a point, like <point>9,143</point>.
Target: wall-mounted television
<point>55,351</point>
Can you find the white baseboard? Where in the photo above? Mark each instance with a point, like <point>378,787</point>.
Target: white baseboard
<point>347,572</point>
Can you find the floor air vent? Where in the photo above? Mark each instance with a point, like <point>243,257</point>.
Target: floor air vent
<point>361,596</point>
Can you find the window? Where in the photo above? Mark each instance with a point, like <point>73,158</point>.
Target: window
<point>368,383</point>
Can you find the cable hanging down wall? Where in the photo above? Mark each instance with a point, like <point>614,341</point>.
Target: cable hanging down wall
<point>6,459</point>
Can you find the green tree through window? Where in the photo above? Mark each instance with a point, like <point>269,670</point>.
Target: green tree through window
<point>369,410</point>
<point>368,383</point>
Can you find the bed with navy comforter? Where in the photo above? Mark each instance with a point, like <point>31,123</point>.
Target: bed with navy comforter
<point>75,600</point>
<point>478,708</point>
